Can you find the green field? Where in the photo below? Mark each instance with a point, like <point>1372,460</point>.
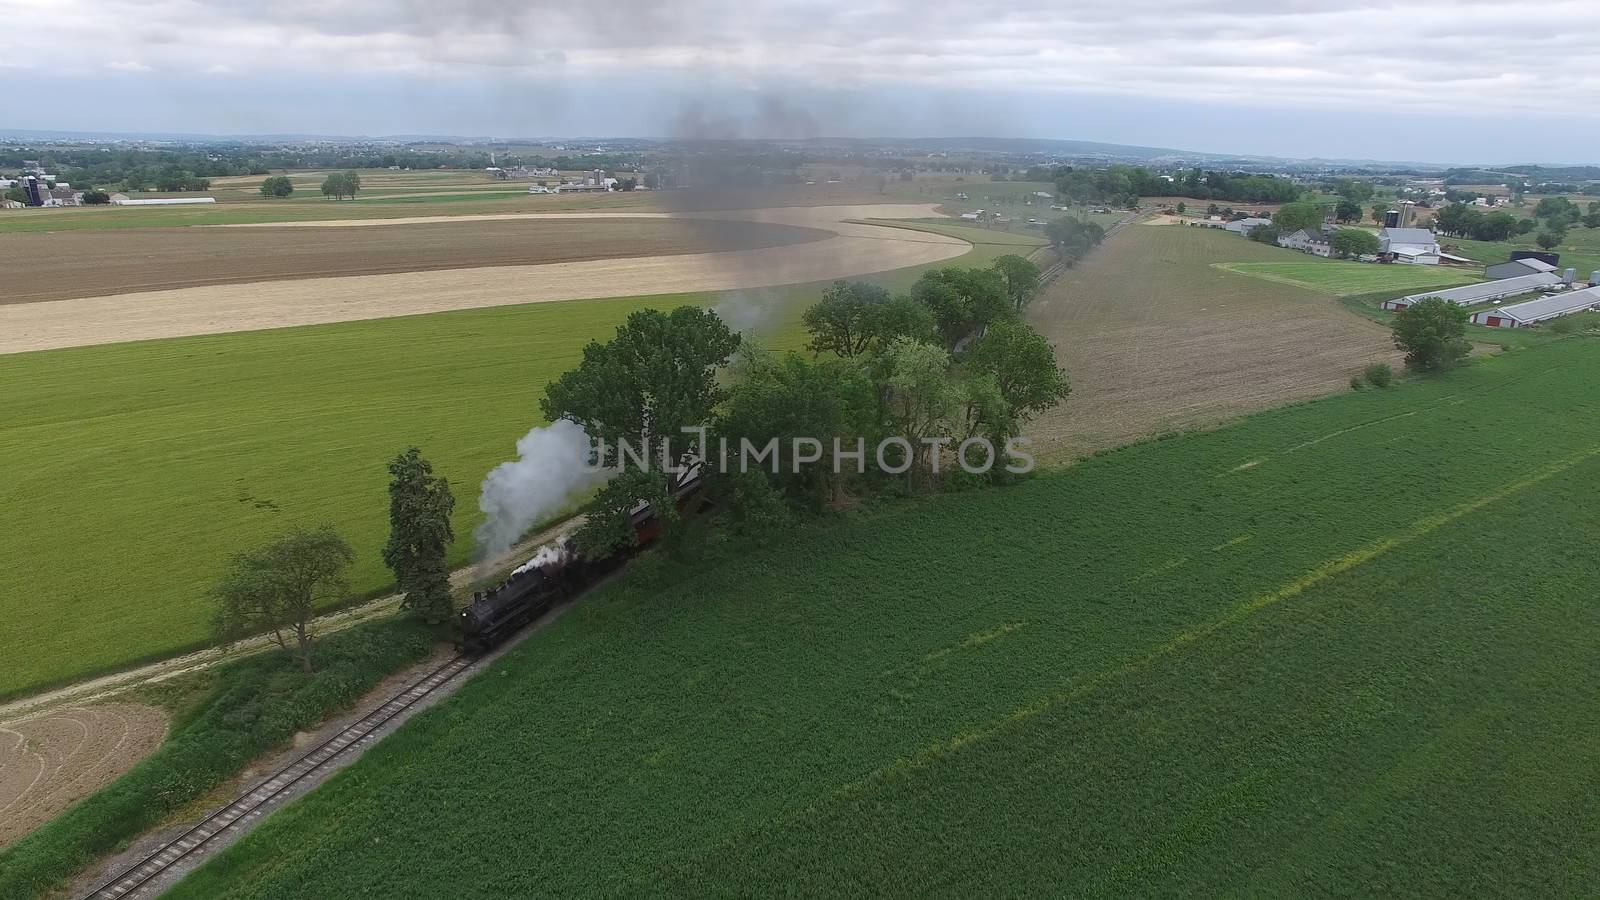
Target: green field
<point>139,468</point>
<point>1345,277</point>
<point>1345,647</point>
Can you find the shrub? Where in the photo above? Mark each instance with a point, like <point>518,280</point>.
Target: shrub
<point>1356,383</point>
<point>1379,375</point>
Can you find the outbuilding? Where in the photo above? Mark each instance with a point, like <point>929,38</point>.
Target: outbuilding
<point>1522,315</point>
<point>1529,265</point>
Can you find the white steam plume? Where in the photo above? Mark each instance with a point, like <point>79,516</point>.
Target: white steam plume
<point>551,466</point>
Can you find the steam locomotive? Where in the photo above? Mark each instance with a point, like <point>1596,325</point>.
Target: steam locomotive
<point>556,572</point>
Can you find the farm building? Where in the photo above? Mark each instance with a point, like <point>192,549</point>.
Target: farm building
<point>1413,246</point>
<point>1522,315</point>
<point>166,201</point>
<point>1243,226</point>
<point>1308,241</point>
<point>1482,292</point>
<point>1526,266</point>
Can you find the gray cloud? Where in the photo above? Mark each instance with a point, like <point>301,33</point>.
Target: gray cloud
<point>1464,59</point>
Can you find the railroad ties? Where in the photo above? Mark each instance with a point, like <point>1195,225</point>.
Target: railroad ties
<point>255,804</point>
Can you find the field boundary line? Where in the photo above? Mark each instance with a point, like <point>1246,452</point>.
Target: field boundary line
<point>929,755</point>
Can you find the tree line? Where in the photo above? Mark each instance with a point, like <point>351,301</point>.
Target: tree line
<point>1124,185</point>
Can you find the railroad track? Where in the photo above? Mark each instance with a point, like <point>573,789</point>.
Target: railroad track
<point>250,807</point>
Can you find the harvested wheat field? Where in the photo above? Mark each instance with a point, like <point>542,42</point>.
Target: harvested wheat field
<point>138,260</point>
<point>53,759</point>
<point>1155,339</point>
<point>850,249</point>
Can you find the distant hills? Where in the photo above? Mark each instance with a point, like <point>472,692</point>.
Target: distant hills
<point>1052,148</point>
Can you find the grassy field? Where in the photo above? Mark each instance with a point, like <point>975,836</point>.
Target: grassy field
<point>1344,277</point>
<point>139,468</point>
<point>1333,649</point>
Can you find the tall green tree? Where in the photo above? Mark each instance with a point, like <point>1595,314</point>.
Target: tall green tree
<point>845,321</point>
<point>1347,211</point>
<point>1294,216</point>
<point>1432,332</point>
<point>1021,277</point>
<point>1023,365</point>
<point>278,588</point>
<point>420,504</point>
<point>277,186</point>
<point>1351,242</point>
<point>963,300</point>
<point>655,378</point>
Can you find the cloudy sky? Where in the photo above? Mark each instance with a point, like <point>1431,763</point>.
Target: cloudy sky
<point>1434,80</point>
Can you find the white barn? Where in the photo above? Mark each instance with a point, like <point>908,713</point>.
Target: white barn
<point>1481,292</point>
<point>1412,246</point>
<point>1522,315</point>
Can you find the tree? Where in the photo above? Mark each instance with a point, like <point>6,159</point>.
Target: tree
<point>1350,242</point>
<point>788,398</point>
<point>1496,226</point>
<point>420,504</point>
<point>1263,234</point>
<point>921,399</point>
<point>1549,239</point>
<point>1023,364</point>
<point>655,378</point>
<point>1182,207</point>
<point>16,195</point>
<point>1347,211</point>
<point>1432,333</point>
<point>1021,277</point>
<point>963,301</point>
<point>277,588</point>
<point>341,185</point>
<point>96,198</point>
<point>277,186</point>
<point>1378,211</point>
<point>1295,216</point>
<point>845,320</point>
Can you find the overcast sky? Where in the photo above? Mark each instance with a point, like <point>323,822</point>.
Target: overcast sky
<point>1433,80</point>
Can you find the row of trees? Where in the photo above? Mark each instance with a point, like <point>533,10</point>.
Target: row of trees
<point>1124,185</point>
<point>947,361</point>
<point>1073,238</point>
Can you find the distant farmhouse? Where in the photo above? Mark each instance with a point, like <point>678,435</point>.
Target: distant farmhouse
<point>1308,240</point>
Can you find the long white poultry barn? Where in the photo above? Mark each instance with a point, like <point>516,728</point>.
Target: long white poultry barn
<point>1521,315</point>
<point>1481,292</point>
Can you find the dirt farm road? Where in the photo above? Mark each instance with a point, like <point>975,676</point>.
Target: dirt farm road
<point>853,249</point>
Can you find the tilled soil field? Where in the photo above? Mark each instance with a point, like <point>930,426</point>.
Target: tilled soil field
<point>53,759</point>
<point>139,260</point>
<point>1155,340</point>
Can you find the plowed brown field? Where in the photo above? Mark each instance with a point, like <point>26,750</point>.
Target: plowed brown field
<point>1155,339</point>
<point>138,260</point>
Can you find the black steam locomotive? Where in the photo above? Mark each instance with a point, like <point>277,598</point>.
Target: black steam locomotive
<point>556,572</point>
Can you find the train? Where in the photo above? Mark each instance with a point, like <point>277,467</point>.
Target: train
<point>555,573</point>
